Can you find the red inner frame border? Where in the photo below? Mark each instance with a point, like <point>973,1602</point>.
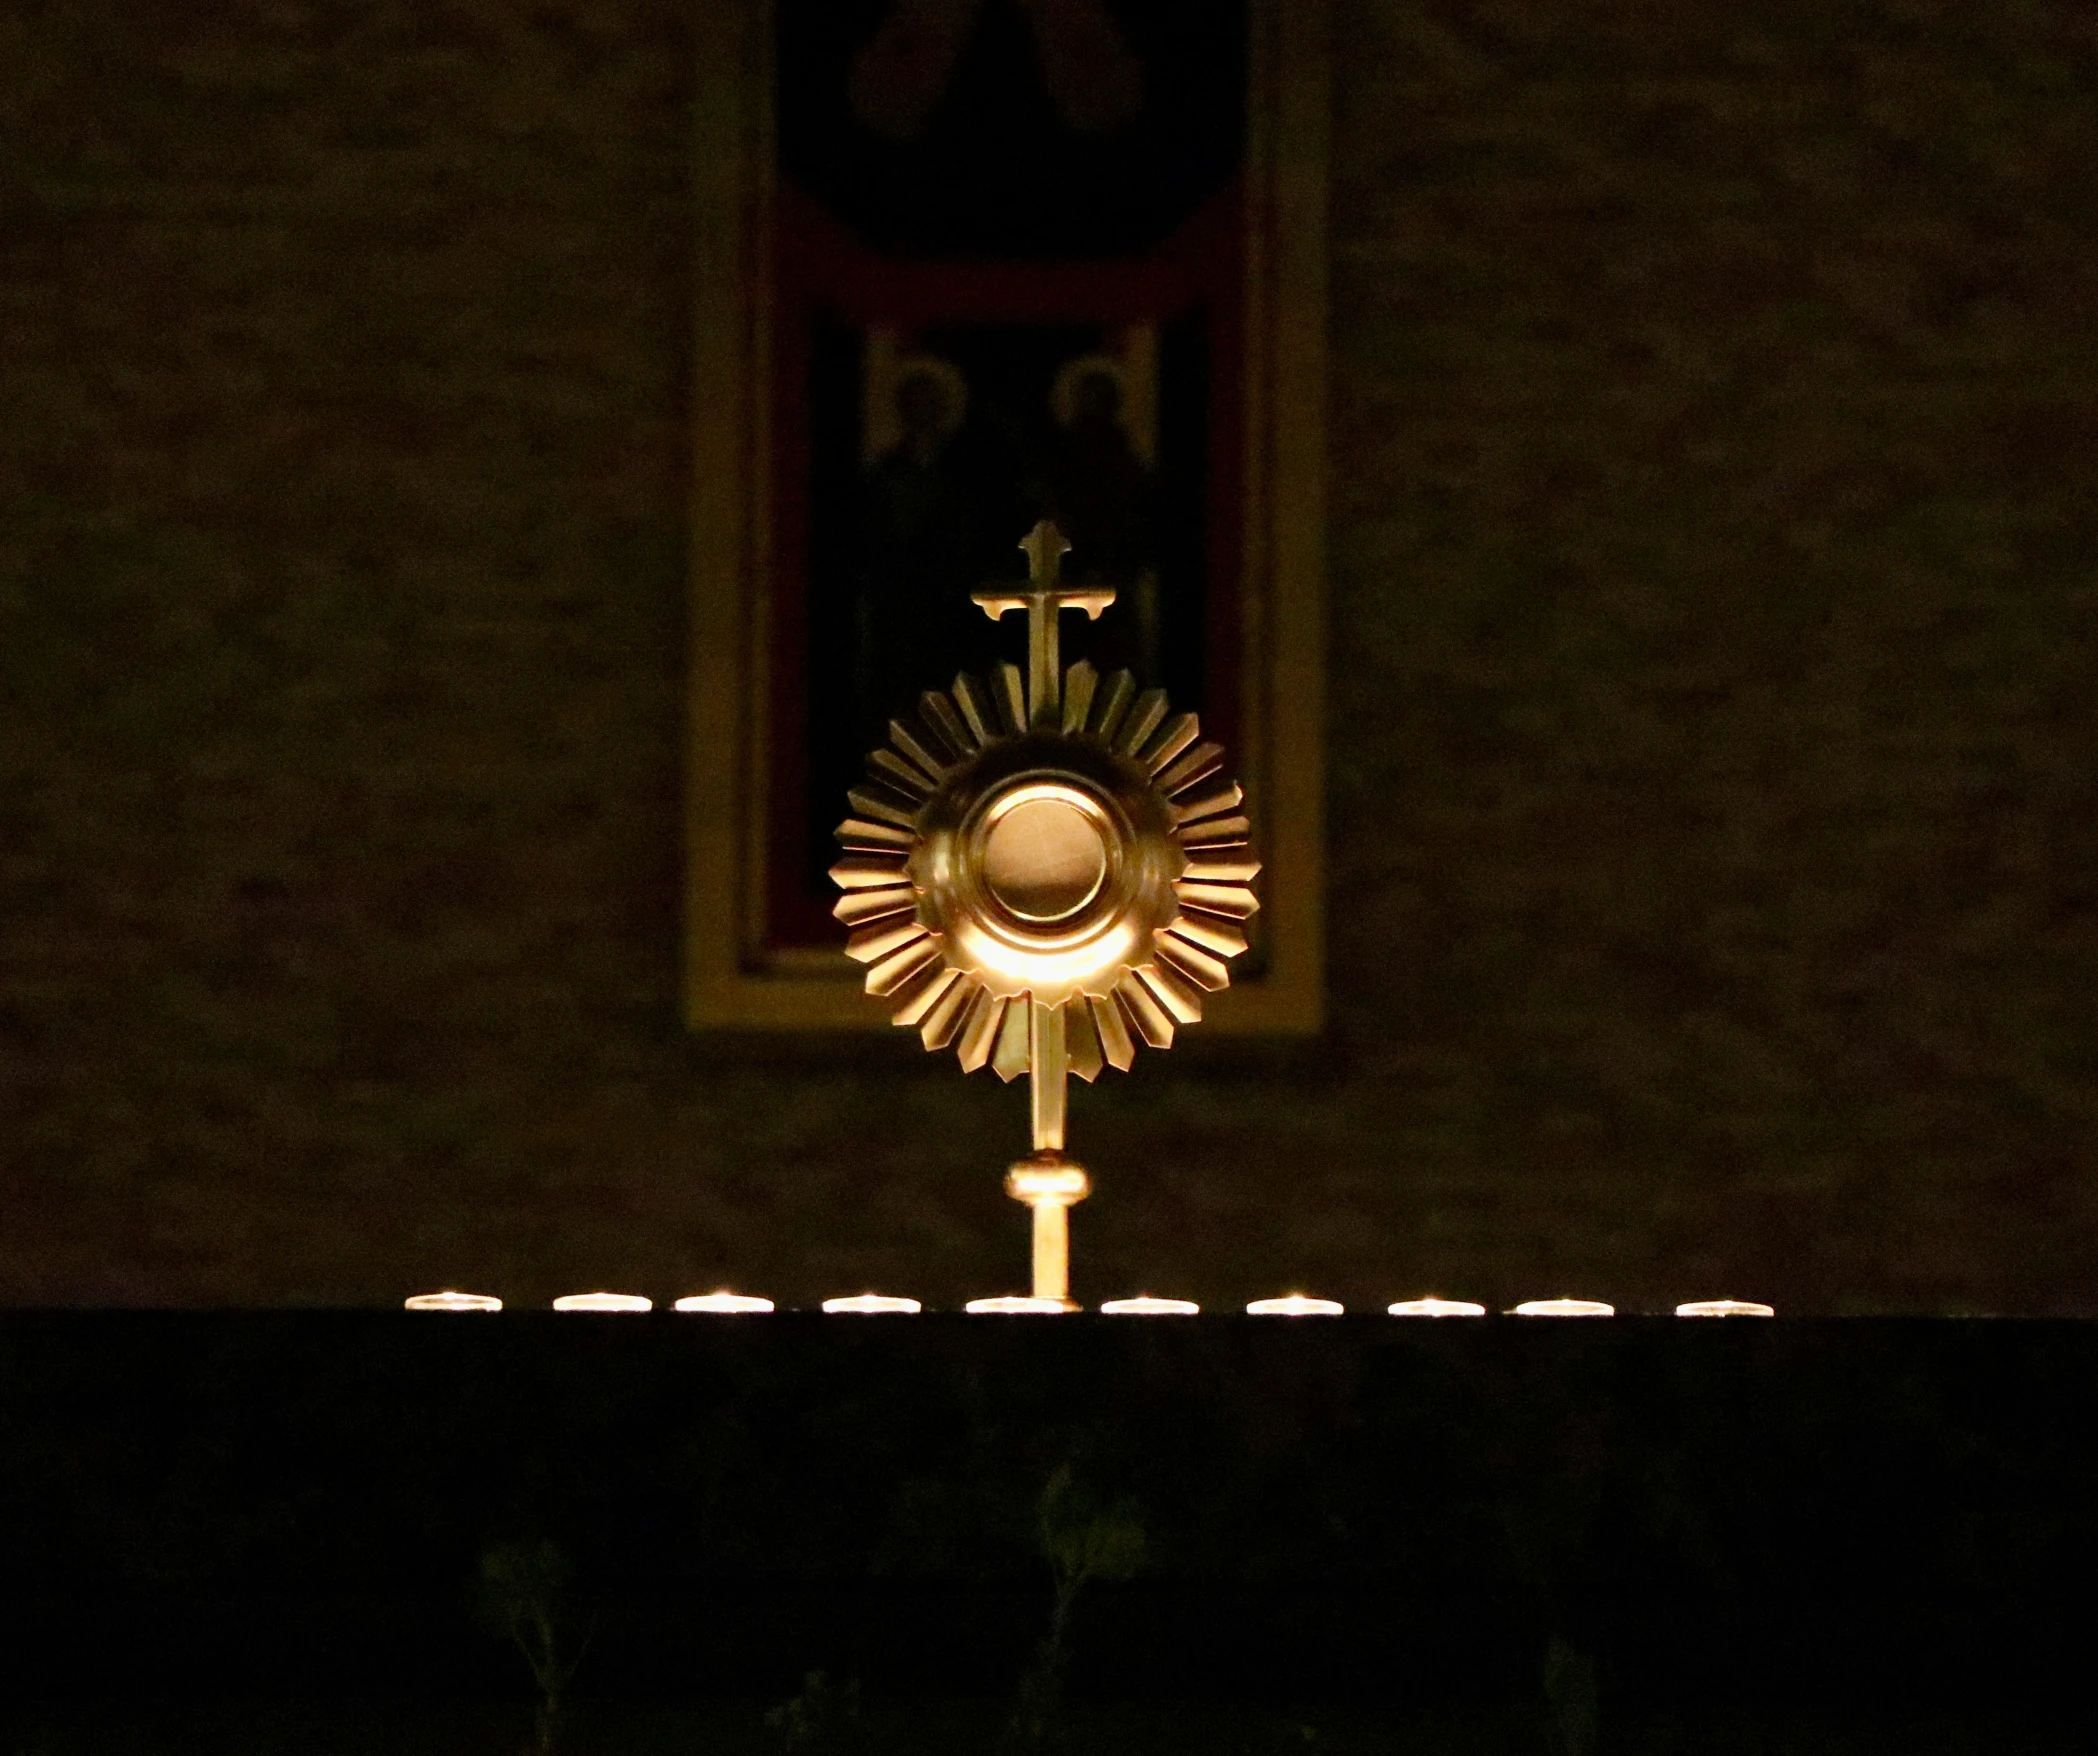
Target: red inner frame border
<point>819,268</point>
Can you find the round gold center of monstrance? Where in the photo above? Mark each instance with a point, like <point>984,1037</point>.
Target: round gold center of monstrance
<point>1041,877</point>
<point>1045,855</point>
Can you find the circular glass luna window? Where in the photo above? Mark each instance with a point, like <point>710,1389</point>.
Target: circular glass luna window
<point>1045,859</point>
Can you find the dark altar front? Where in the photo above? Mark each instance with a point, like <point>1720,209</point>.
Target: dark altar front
<point>1859,1516</point>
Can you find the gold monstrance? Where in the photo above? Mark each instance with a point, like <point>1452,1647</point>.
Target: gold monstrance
<point>1043,879</point>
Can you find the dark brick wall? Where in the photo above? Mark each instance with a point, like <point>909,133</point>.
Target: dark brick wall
<point>1713,589</point>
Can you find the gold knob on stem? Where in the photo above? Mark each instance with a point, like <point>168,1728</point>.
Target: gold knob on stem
<point>1050,1185</point>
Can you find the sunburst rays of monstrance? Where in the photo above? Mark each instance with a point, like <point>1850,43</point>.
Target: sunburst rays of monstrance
<point>1043,876</point>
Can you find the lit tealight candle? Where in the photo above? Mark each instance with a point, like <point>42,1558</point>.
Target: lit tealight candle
<point>872,1305</point>
<point>1016,1305</point>
<point>449,1301</point>
<point>1724,1308</point>
<point>1435,1308</point>
<point>1565,1308</point>
<point>727,1304</point>
<point>602,1302</point>
<point>1295,1305</point>
<point>1143,1305</point>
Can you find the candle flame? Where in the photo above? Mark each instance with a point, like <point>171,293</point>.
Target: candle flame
<point>724,1303</point>
<point>1016,1305</point>
<point>1432,1307</point>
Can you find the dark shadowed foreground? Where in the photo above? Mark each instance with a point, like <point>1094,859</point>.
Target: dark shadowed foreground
<point>969,1728</point>
<point>806,1533</point>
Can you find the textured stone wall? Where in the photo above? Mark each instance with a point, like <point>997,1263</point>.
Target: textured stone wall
<point>1714,584</point>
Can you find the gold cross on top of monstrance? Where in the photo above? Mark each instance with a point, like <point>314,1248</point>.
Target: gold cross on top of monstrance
<point>1042,878</point>
<point>1043,599</point>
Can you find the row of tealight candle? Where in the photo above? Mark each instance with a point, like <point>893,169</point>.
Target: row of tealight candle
<point>881,1304</point>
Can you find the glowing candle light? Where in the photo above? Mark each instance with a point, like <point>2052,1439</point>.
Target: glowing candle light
<point>450,1301</point>
<point>602,1302</point>
<point>725,1304</point>
<point>1295,1305</point>
<point>1016,1305</point>
<point>1724,1308</point>
<point>872,1305</point>
<point>1143,1305</point>
<point>1435,1308</point>
<point>1565,1308</point>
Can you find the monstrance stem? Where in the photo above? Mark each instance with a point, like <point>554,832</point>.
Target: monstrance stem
<point>1044,677</point>
<point>1050,1065</point>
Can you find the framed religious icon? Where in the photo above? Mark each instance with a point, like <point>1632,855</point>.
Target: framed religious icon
<point>964,265</point>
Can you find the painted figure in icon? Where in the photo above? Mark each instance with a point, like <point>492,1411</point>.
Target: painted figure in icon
<point>1099,490</point>
<point>918,540</point>
<point>960,459</point>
